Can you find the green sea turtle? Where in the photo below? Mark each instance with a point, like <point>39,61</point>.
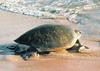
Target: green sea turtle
<point>48,38</point>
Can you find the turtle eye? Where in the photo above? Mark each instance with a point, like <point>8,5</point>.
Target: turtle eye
<point>77,31</point>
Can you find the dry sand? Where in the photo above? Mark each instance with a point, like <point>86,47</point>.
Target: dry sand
<point>13,25</point>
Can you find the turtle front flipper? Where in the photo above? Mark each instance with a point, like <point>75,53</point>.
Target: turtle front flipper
<point>77,47</point>
<point>80,46</point>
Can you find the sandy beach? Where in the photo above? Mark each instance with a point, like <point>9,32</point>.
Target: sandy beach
<point>13,25</point>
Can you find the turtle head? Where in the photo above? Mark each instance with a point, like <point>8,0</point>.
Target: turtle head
<point>78,34</point>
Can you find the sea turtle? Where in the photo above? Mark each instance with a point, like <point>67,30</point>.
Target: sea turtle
<point>48,38</point>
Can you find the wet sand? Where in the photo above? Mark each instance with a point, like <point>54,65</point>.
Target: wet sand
<point>13,25</point>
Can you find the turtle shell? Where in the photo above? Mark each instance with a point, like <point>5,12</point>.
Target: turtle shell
<point>48,36</point>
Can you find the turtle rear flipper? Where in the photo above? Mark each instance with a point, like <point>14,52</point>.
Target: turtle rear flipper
<point>14,49</point>
<point>28,53</point>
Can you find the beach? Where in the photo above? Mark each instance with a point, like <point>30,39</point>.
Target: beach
<point>13,25</point>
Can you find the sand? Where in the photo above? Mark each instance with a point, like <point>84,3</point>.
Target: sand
<point>13,25</point>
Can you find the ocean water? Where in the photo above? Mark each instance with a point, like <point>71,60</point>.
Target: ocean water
<point>50,8</point>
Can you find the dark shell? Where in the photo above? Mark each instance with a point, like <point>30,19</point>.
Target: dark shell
<point>47,36</point>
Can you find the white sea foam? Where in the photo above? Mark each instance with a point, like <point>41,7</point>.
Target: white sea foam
<point>50,8</point>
